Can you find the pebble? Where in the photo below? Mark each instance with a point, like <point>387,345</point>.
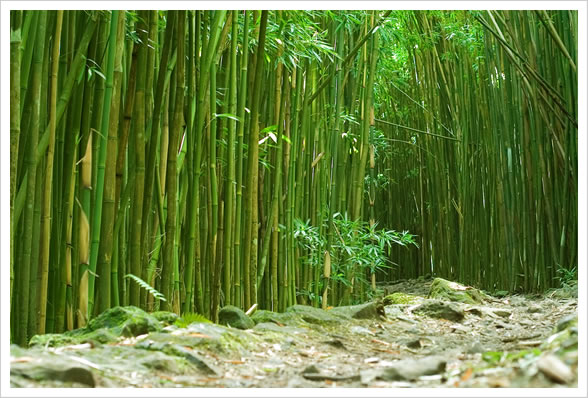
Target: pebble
<point>555,369</point>
<point>533,309</point>
<point>361,330</point>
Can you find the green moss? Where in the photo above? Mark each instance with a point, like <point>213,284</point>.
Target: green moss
<point>165,317</point>
<point>401,298</point>
<point>445,290</point>
<point>52,340</point>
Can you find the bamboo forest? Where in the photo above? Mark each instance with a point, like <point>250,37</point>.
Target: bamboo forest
<point>294,198</point>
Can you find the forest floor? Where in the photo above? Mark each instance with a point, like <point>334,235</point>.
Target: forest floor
<point>512,341</point>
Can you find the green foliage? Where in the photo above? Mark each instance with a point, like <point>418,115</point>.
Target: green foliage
<point>567,277</point>
<point>500,358</point>
<point>146,286</point>
<point>356,244</point>
<point>189,318</point>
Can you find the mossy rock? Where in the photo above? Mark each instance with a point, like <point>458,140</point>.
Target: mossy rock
<point>125,321</point>
<point>234,317</point>
<point>165,317</point>
<point>565,336</point>
<point>263,316</point>
<point>445,290</point>
<point>440,310</point>
<point>371,310</point>
<point>401,298</point>
<point>206,336</point>
<point>315,315</point>
<point>52,340</point>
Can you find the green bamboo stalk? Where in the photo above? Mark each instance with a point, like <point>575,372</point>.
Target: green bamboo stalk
<point>103,145</point>
<point>46,210</point>
<point>139,134</point>
<point>230,180</point>
<point>172,172</point>
<point>196,146</point>
<point>31,163</point>
<point>110,116</point>
<point>15,104</point>
<point>241,280</point>
<point>251,209</point>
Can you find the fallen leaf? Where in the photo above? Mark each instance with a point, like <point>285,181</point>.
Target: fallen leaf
<point>200,335</point>
<point>380,342</point>
<point>467,374</point>
<point>22,359</point>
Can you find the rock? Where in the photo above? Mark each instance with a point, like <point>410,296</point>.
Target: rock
<point>45,368</point>
<point>234,317</point>
<point>408,369</point>
<point>476,348</point>
<point>311,369</point>
<point>401,298</point>
<point>165,317</point>
<point>552,367</point>
<point>414,343</point>
<point>125,321</point>
<point>566,322</point>
<point>105,328</point>
<point>52,340</point>
<point>445,290</point>
<point>361,330</point>
<point>272,327</point>
<point>160,362</point>
<point>371,310</point>
<point>315,315</point>
<point>192,358</point>
<point>504,313</point>
<point>534,309</point>
<point>440,309</point>
<point>335,343</point>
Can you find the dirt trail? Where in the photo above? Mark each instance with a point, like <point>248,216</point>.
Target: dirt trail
<point>500,343</point>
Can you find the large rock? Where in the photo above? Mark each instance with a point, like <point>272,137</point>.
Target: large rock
<point>126,321</point>
<point>316,316</point>
<point>105,328</point>
<point>234,317</point>
<point>401,298</point>
<point>47,368</point>
<point>445,290</point>
<point>407,369</point>
<point>371,310</point>
<point>440,309</point>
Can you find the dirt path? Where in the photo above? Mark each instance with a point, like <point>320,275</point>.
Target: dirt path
<point>502,343</point>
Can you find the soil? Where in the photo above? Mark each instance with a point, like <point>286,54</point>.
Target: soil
<point>504,342</point>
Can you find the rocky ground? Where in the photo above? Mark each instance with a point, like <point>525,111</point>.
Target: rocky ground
<point>419,334</point>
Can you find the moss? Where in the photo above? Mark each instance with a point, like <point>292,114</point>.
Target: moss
<point>445,290</point>
<point>314,315</point>
<point>401,298</point>
<point>165,317</point>
<point>52,340</point>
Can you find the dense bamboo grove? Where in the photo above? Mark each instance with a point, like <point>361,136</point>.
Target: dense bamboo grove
<point>185,160</point>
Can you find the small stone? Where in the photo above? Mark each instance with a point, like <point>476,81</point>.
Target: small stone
<point>567,321</point>
<point>311,369</point>
<point>533,309</point>
<point>412,369</point>
<point>361,330</point>
<point>502,312</point>
<point>555,369</point>
<point>476,348</point>
<point>440,309</point>
<point>416,343</point>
